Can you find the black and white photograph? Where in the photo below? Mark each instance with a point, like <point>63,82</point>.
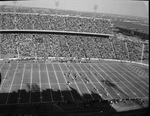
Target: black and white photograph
<point>74,58</point>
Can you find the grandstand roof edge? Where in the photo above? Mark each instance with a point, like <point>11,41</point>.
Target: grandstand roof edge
<point>56,32</point>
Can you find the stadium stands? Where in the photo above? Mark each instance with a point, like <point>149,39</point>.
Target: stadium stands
<point>34,44</point>
<point>22,18</point>
<point>72,46</point>
<point>51,22</point>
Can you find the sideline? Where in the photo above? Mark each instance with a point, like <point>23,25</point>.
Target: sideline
<point>85,58</point>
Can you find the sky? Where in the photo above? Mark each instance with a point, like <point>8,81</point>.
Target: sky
<point>123,7</point>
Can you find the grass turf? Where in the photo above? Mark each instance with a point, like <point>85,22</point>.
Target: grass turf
<point>36,82</point>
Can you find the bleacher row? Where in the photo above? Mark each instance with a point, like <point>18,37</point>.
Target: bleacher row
<point>54,45</point>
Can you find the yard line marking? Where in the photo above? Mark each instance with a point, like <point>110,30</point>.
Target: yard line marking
<point>118,79</point>
<point>40,83</point>
<point>83,82</point>
<point>0,71</point>
<point>139,73</point>
<point>143,73</point>
<point>133,68</point>
<point>131,83</point>
<point>31,82</point>
<point>100,82</point>
<point>4,77</point>
<point>125,79</point>
<point>97,80</point>
<point>138,70</point>
<point>66,71</point>
<point>134,76</point>
<point>2,66</point>
<point>75,82</point>
<point>21,82</point>
<point>137,79</point>
<point>49,82</point>
<point>11,83</point>
<point>110,78</point>
<point>144,76</point>
<point>57,82</point>
<point>91,80</point>
<point>66,82</point>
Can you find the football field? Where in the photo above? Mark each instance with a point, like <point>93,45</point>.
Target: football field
<point>42,82</point>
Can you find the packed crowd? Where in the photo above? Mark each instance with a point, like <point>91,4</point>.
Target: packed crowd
<point>146,52</point>
<point>53,22</point>
<point>120,49</point>
<point>54,45</point>
<point>21,18</point>
<point>135,50</point>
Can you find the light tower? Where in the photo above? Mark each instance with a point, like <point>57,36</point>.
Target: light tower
<point>95,10</point>
<point>15,6</point>
<point>56,4</point>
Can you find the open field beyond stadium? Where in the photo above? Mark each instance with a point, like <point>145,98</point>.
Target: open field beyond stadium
<point>43,82</point>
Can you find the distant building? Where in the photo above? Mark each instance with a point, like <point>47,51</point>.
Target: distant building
<point>129,28</point>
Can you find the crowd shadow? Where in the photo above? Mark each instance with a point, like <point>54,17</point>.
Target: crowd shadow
<point>29,101</point>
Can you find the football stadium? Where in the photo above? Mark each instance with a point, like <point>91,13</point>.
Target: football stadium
<point>69,64</point>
